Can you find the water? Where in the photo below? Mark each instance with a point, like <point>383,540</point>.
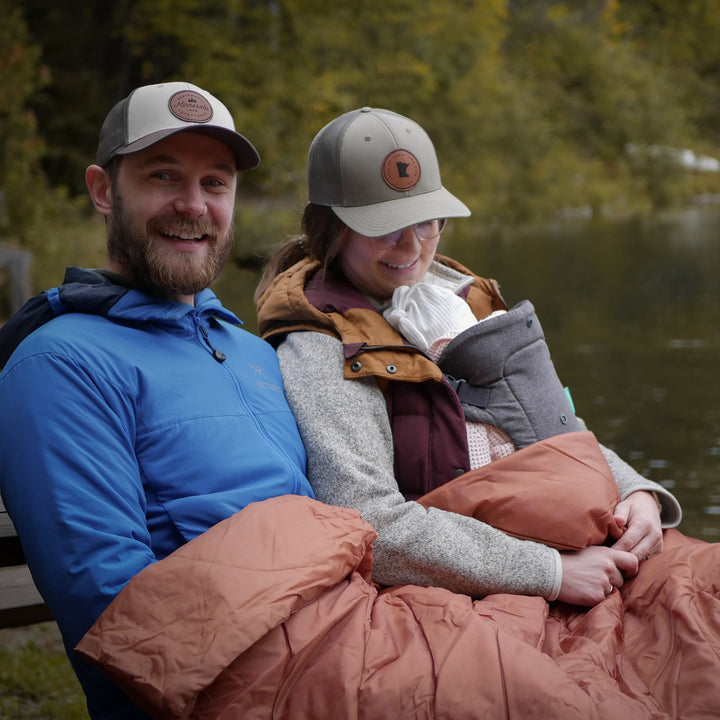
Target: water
<point>631,312</point>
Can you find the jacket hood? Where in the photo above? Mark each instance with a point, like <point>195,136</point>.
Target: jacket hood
<point>100,292</point>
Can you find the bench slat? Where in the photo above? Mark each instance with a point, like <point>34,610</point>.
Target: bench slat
<point>11,552</point>
<point>20,602</point>
<point>7,529</point>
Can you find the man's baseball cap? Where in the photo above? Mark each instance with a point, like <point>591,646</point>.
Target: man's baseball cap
<point>379,173</point>
<point>153,112</point>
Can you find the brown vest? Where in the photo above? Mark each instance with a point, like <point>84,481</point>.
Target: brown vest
<point>427,420</point>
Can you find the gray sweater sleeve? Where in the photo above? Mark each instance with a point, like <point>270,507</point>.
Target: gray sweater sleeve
<point>346,432</point>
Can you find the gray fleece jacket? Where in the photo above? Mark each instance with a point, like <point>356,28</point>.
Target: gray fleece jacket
<point>345,428</point>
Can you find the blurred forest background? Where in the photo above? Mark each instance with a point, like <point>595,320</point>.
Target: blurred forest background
<point>535,106</point>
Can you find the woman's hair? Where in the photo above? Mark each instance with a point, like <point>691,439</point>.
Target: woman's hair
<point>322,232</point>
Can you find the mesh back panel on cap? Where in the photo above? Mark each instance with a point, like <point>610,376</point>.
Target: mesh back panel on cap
<point>113,134</point>
<point>325,179</point>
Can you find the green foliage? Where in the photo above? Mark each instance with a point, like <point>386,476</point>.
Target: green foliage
<point>33,214</point>
<point>532,104</point>
<point>260,226</point>
<point>65,235</point>
<point>681,39</point>
<point>593,95</point>
<point>20,146</point>
<point>87,66</point>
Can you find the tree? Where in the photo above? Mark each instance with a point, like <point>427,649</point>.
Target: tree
<point>681,38</point>
<point>21,75</point>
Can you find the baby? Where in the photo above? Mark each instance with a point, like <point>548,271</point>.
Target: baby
<point>500,367</point>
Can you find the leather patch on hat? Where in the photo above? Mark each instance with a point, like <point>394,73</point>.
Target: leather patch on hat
<point>401,170</point>
<point>190,106</point>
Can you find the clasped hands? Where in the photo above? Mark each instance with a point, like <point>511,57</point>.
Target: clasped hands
<point>591,574</point>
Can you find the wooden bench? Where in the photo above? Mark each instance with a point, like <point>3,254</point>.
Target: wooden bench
<point>20,602</point>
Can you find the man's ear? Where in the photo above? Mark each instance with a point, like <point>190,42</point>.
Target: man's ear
<point>100,188</point>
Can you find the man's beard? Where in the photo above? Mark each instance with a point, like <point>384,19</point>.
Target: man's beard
<point>158,268</point>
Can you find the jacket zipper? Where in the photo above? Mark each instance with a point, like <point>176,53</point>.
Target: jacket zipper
<point>221,357</point>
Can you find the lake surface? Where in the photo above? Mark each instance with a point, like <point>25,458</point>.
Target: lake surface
<point>631,313</point>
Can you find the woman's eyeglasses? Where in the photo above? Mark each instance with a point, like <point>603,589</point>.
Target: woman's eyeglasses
<point>428,230</point>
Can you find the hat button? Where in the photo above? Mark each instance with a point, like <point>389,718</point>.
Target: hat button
<point>366,109</point>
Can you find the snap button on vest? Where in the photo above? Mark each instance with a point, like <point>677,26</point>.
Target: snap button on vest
<point>563,419</point>
<point>391,369</point>
<point>529,321</point>
<point>459,472</point>
<point>355,367</point>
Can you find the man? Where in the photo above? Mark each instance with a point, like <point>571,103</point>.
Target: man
<point>136,414</point>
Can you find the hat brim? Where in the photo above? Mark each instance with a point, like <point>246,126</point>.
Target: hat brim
<point>246,156</point>
<point>386,217</point>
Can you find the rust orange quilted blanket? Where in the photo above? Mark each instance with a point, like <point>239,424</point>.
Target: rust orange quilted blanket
<point>272,614</point>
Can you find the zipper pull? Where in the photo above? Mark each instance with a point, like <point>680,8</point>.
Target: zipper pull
<point>217,354</point>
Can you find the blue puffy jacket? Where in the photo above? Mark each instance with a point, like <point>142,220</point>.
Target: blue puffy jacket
<point>128,426</point>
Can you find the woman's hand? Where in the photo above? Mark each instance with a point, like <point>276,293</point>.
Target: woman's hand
<point>639,516</point>
<point>590,575</point>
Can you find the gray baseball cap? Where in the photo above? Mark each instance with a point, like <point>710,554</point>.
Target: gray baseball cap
<point>153,112</point>
<point>378,171</point>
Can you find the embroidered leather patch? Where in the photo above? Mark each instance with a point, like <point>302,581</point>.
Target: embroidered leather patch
<point>401,170</point>
<point>190,106</point>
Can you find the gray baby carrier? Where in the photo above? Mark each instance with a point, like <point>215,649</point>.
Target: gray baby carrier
<point>503,374</point>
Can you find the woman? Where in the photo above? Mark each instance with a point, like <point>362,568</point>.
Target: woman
<point>361,310</point>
